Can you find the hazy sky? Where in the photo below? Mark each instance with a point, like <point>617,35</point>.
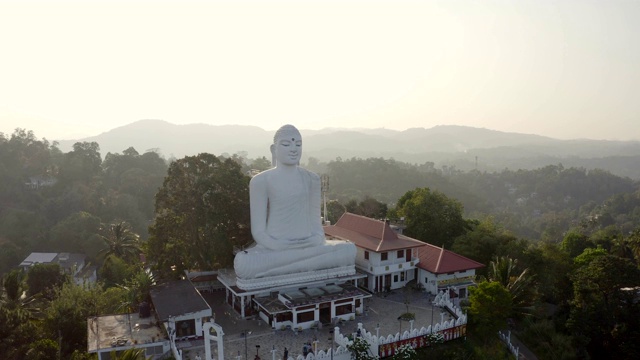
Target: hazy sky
<point>565,69</point>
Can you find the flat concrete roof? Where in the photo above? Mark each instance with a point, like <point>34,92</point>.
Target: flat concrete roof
<point>177,298</point>
<point>38,258</point>
<point>308,296</point>
<point>113,331</point>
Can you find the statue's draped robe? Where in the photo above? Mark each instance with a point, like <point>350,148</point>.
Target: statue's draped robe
<point>293,214</point>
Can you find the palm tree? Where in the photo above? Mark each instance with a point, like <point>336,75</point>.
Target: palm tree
<point>136,290</point>
<point>121,241</point>
<point>633,241</point>
<point>521,286</point>
<point>13,297</point>
<point>623,247</point>
<point>129,354</point>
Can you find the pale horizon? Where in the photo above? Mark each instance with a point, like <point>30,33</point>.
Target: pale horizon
<point>565,69</point>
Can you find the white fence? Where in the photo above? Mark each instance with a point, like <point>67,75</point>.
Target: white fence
<point>448,330</point>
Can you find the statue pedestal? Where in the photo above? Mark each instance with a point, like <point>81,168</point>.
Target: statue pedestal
<point>277,281</point>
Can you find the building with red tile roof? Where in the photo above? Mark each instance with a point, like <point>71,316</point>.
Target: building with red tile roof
<point>388,258</point>
<point>440,269</point>
<point>391,259</point>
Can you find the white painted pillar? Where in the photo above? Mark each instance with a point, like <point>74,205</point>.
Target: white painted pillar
<point>294,319</point>
<point>333,310</point>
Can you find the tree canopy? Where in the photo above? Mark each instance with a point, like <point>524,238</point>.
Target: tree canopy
<point>202,212</point>
<point>431,216</point>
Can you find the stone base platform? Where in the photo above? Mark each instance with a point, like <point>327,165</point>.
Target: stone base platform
<point>297,278</point>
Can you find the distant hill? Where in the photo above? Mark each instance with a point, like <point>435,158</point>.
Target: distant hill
<point>443,145</point>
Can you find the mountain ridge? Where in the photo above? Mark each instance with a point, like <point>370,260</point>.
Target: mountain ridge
<point>443,144</point>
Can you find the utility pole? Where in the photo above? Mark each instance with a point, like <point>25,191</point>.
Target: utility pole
<point>324,181</point>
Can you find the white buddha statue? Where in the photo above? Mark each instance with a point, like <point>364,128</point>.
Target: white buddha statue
<point>285,218</point>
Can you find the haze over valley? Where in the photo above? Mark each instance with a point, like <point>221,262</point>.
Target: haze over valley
<point>447,145</point>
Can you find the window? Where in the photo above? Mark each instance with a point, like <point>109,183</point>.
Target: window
<point>306,316</point>
<point>462,293</point>
<point>395,278</point>
<point>366,255</point>
<point>344,309</point>
<point>402,276</point>
<point>384,256</point>
<point>185,328</point>
<point>400,254</point>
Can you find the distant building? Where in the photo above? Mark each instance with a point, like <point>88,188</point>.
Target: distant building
<point>72,264</point>
<point>37,182</point>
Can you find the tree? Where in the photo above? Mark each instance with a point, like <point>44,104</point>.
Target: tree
<point>121,241</point>
<point>12,296</point>
<point>520,284</point>
<point>115,271</point>
<point>76,233</point>
<point>359,349</point>
<point>552,268</point>
<point>485,240</point>
<point>431,216</point>
<point>542,337</point>
<point>43,349</point>
<point>45,279</point>
<point>12,286</point>
<point>490,306</point>
<point>82,163</point>
<point>604,308</point>
<point>588,255</point>
<point>133,176</point>
<point>261,164</point>
<point>335,210</point>
<point>574,243</point>
<point>129,354</point>
<point>136,290</point>
<point>16,333</point>
<point>65,319</point>
<point>202,212</point>
<point>405,352</point>
<point>368,207</point>
<point>634,243</point>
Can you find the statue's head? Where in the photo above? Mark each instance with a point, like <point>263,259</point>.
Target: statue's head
<point>287,146</point>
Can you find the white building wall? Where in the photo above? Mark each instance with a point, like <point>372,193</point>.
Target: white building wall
<point>431,281</point>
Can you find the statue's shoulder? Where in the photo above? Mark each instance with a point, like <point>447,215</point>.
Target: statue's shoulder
<point>261,178</point>
<point>310,174</point>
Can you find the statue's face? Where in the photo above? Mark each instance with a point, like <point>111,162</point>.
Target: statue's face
<point>288,148</point>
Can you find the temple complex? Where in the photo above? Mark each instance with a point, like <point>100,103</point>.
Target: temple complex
<point>293,277</point>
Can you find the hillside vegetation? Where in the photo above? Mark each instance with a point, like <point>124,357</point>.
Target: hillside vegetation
<point>560,244</point>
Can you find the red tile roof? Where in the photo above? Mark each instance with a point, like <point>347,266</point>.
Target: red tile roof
<point>439,261</point>
<point>370,234</point>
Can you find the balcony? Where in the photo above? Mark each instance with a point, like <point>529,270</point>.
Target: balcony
<point>388,267</point>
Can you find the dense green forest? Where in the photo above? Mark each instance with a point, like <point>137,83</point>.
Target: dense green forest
<point>561,245</point>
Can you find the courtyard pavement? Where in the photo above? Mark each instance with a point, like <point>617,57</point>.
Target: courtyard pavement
<point>381,309</point>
